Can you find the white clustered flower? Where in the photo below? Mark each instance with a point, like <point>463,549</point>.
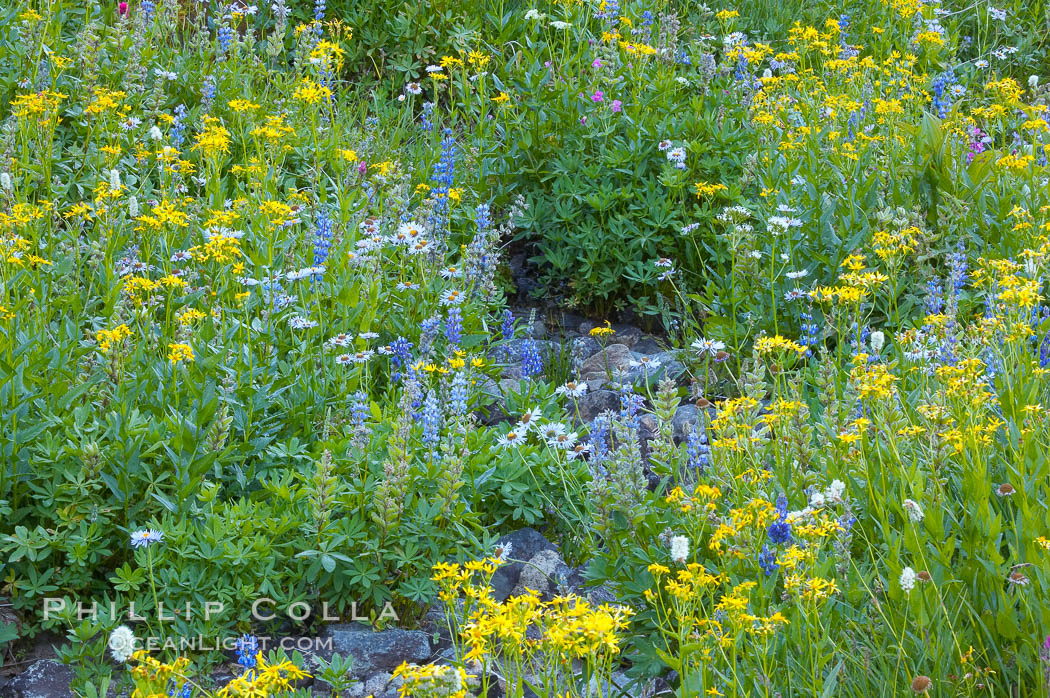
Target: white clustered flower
<point>122,643</point>
<point>908,578</point>
<point>878,340</point>
<point>913,510</point>
<point>679,549</point>
<point>835,491</point>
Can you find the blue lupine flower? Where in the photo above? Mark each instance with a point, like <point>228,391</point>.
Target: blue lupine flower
<point>322,239</point>
<point>401,358</point>
<point>958,276</point>
<point>319,10</point>
<point>442,178</point>
<point>454,326</point>
<point>810,333</point>
<point>630,406</point>
<point>247,648</point>
<point>767,560</point>
<point>425,123</point>
<point>178,126</point>
<point>506,328</point>
<point>207,91</point>
<point>480,261</point>
<point>148,7</point>
<point>599,439</point>
<point>225,34</point>
<point>429,330</point>
<point>175,691</point>
<point>457,396</point>
<point>359,411</point>
<point>934,297</point>
<point>697,451</point>
<point>780,530</point>
<point>531,361</point>
<point>431,419</point>
<point>942,94</point>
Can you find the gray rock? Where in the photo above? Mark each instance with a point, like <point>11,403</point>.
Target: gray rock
<point>377,683</point>
<point>594,402</point>
<point>602,594</point>
<point>614,359</point>
<point>525,544</point>
<point>546,573</point>
<point>686,420</point>
<point>509,385</point>
<point>663,365</point>
<point>627,334</point>
<point>489,390</point>
<point>45,678</point>
<point>511,371</point>
<point>584,348</point>
<point>375,650</point>
<point>647,345</point>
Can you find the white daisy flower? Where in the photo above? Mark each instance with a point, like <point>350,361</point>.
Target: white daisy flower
<point>511,438</point>
<point>572,389</point>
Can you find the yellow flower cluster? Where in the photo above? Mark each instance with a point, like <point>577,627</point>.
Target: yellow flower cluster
<point>180,352</point>
<point>524,630</point>
<point>432,680</point>
<point>266,679</point>
<point>107,338</point>
<point>153,678</point>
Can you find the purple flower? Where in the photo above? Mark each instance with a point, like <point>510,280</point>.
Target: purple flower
<point>617,106</point>
<point>597,97</point>
<point>597,63</point>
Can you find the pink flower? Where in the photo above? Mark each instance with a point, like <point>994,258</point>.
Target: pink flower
<point>597,63</point>
<point>123,8</point>
<point>597,97</point>
<point>362,168</point>
<point>617,106</point>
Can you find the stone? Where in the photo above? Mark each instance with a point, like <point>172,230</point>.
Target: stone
<point>663,365</point>
<point>584,348</point>
<point>594,402</point>
<point>525,544</point>
<point>647,345</point>
<point>545,573</point>
<point>509,385</point>
<point>616,358</point>
<point>375,650</point>
<point>686,420</point>
<point>377,683</point>
<point>627,334</point>
<point>45,678</point>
